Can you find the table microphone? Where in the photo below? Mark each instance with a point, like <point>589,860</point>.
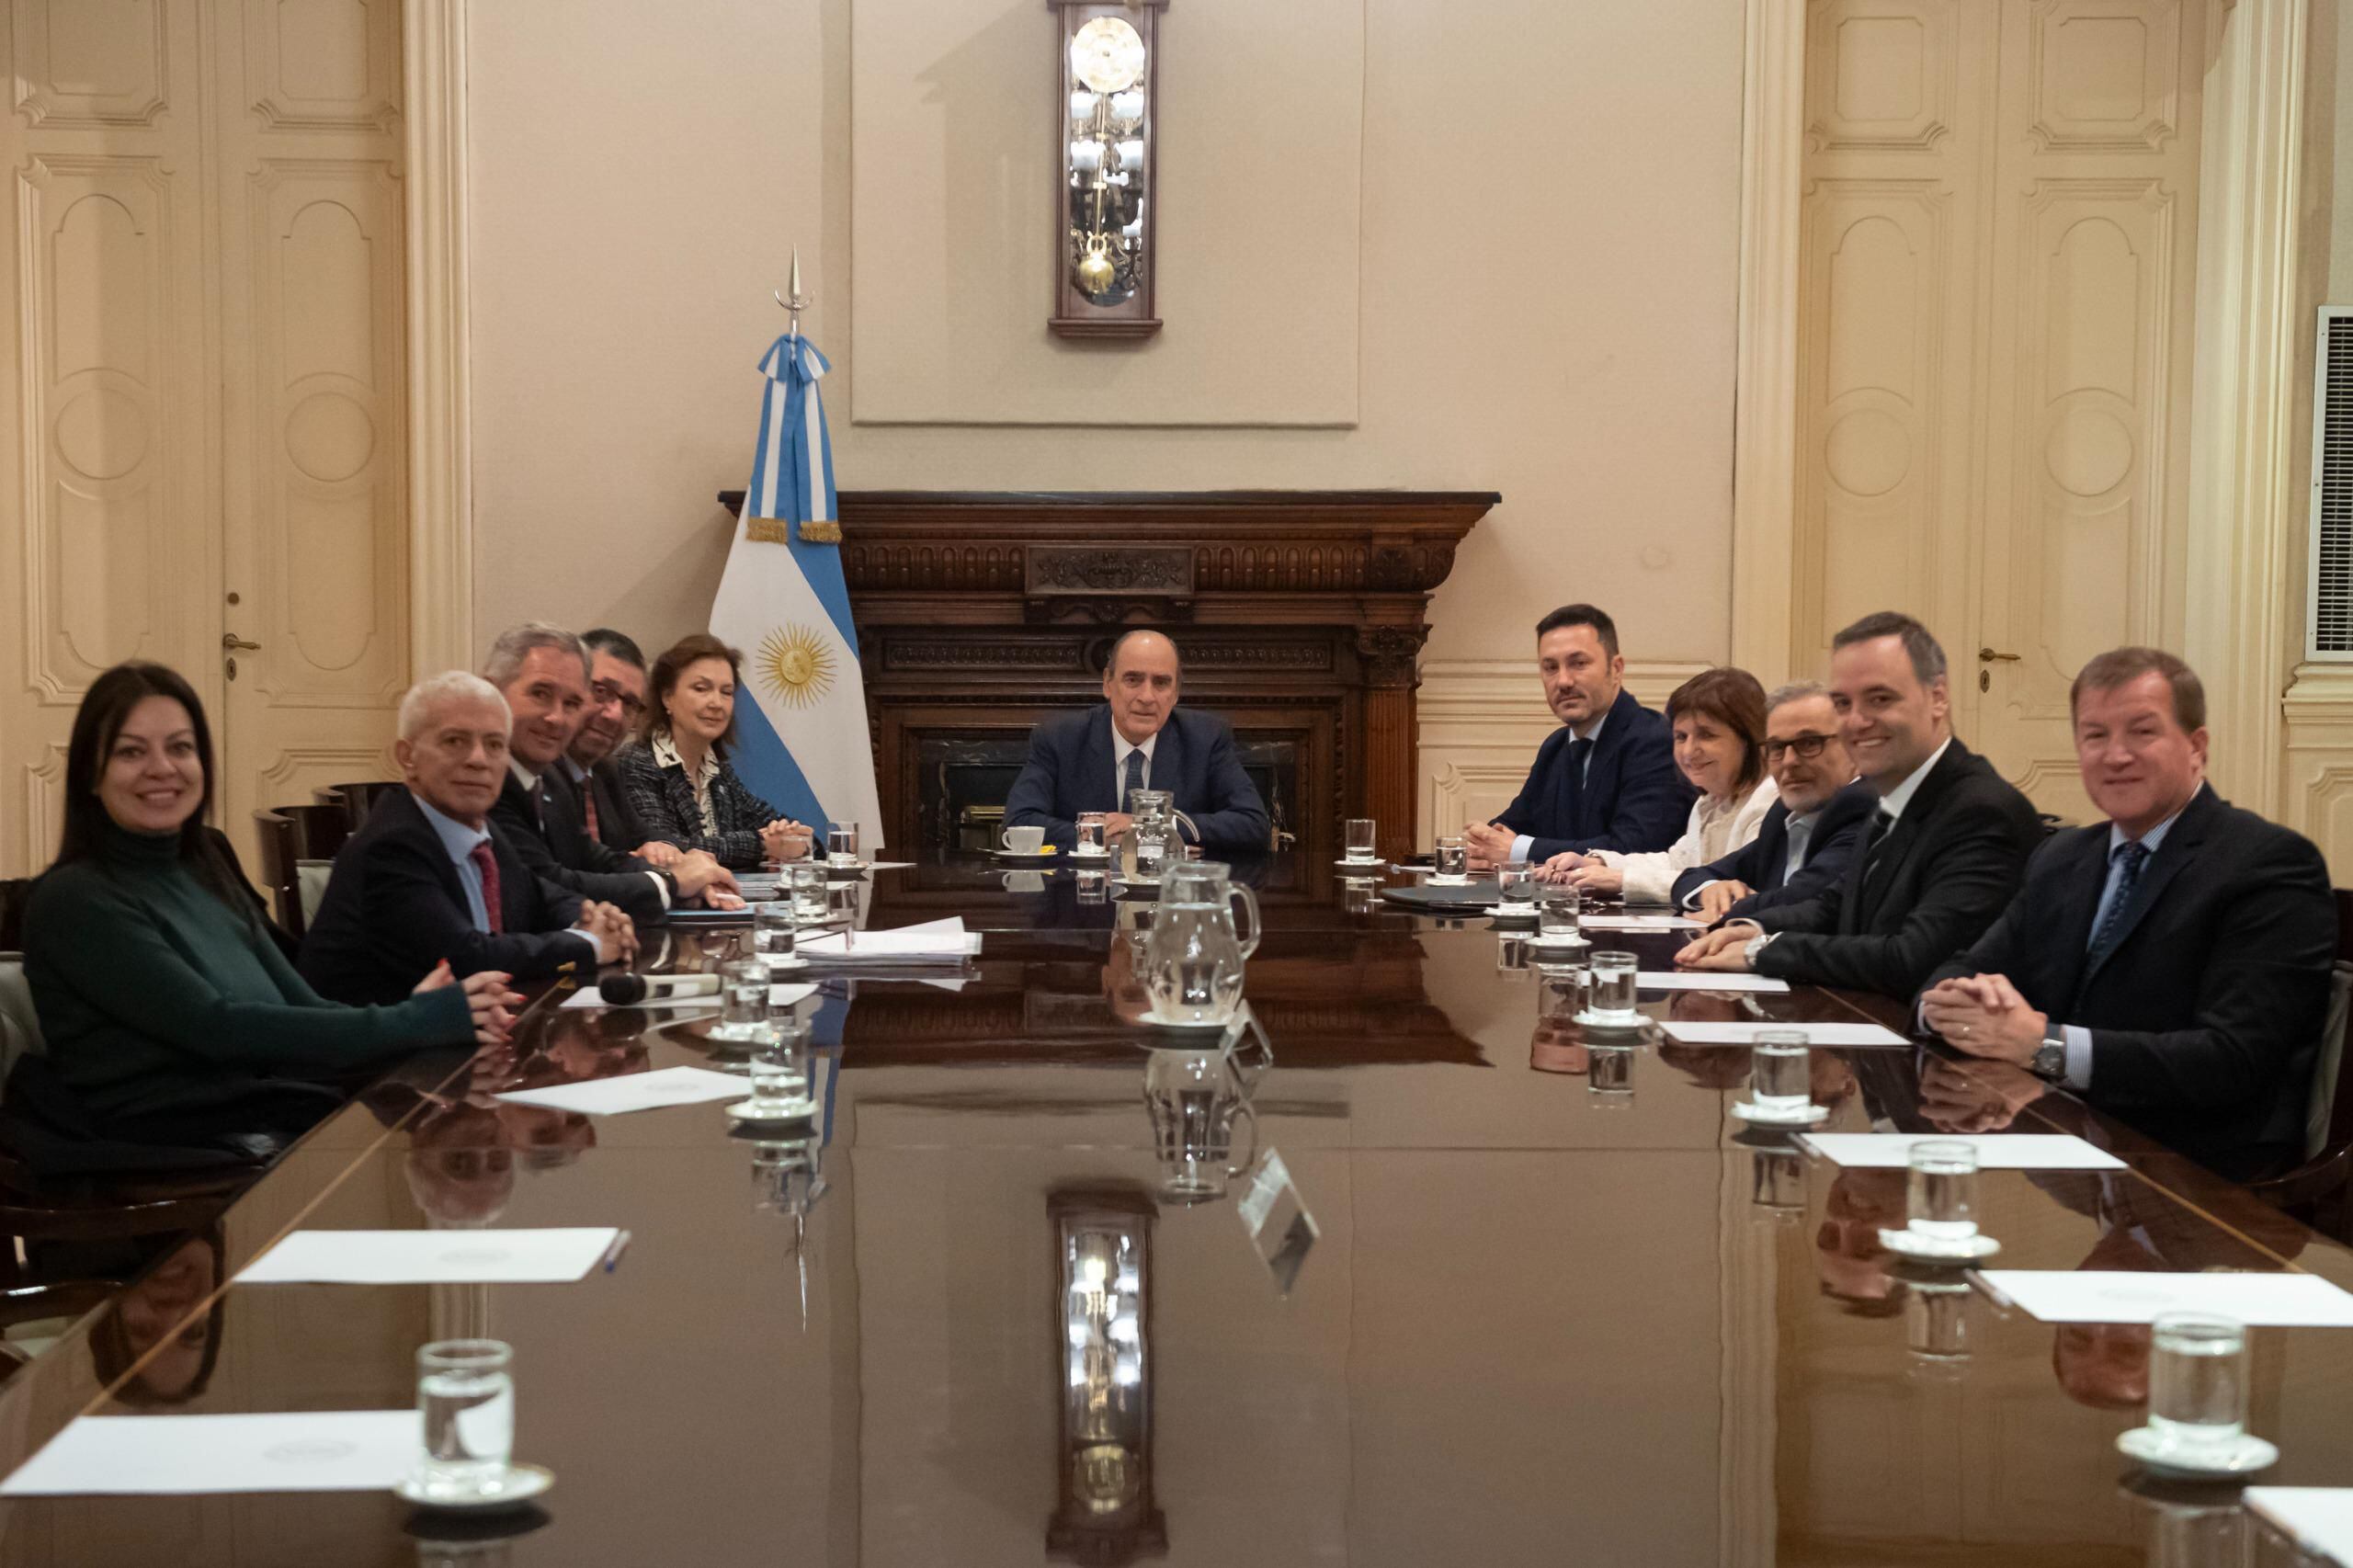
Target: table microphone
<point>622,990</point>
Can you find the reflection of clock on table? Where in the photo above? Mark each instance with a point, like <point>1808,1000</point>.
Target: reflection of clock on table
<point>1105,218</point>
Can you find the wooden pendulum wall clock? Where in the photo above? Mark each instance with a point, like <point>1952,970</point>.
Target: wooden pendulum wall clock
<point>1105,258</point>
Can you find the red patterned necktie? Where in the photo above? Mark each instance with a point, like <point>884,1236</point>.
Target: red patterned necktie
<point>487,863</point>
<point>588,808</point>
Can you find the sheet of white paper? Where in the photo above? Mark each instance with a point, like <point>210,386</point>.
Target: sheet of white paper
<point>635,1091</point>
<point>2285,1301</point>
<point>587,997</point>
<point>932,941</point>
<point>1638,923</point>
<point>1689,980</point>
<point>1745,1030</point>
<point>2319,1519</point>
<point>325,1451</point>
<point>889,865</point>
<point>554,1257</point>
<point>2001,1152</point>
<point>785,996</point>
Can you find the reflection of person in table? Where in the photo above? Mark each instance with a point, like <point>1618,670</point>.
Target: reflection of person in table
<point>1847,1253</point>
<point>139,1320</point>
<point>1557,1046</point>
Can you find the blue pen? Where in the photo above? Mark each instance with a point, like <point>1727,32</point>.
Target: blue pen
<point>613,1253</point>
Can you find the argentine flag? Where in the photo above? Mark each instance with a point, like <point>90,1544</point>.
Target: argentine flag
<point>801,742</point>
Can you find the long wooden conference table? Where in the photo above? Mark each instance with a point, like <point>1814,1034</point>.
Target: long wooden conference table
<point>1525,1321</point>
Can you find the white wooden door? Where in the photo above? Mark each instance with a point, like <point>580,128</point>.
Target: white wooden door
<point>1994,334</point>
<point>203,409</point>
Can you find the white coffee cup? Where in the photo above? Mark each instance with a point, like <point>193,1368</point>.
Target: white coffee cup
<point>1024,840</point>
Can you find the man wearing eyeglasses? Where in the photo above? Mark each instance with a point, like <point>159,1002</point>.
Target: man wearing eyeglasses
<point>1810,834</point>
<point>616,707</point>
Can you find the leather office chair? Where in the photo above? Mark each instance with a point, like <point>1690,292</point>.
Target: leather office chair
<point>297,844</point>
<point>357,799</point>
<point>2320,1191</point>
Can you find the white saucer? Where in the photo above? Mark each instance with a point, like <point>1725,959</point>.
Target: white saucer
<point>517,1486</point>
<point>793,964</point>
<point>1015,857</point>
<point>1156,1022</point>
<point>1435,881</point>
<point>1375,864</point>
<point>1541,944</point>
<point>1519,913</point>
<point>1812,1115</point>
<point>2249,1455</point>
<point>1906,1245</point>
<point>847,865</point>
<point>802,1109</point>
<point>1090,854</point>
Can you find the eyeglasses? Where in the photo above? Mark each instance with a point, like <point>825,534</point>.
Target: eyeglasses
<point>605,691</point>
<point>1806,746</point>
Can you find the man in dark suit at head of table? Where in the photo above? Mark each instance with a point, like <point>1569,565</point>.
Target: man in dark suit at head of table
<point>1139,739</point>
<point>1606,779</point>
<point>1941,857</point>
<point>2170,964</point>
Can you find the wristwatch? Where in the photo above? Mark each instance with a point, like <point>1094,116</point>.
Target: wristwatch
<point>2051,1057</point>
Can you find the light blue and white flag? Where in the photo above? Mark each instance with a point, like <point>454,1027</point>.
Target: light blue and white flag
<point>801,742</point>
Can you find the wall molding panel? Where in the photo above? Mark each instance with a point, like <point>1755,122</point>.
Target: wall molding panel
<point>83,68</point>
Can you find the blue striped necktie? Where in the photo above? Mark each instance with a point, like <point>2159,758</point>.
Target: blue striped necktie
<point>2135,854</point>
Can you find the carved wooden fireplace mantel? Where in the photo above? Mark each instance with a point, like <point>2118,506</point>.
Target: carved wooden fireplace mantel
<point>1299,615</point>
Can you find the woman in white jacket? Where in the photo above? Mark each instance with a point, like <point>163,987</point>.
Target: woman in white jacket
<point>1718,720</point>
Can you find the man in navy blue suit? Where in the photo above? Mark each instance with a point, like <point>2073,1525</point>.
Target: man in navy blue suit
<point>1812,831</point>
<point>1138,739</point>
<point>1606,779</point>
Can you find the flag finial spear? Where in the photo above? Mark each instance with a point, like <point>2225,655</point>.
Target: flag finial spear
<point>796,301</point>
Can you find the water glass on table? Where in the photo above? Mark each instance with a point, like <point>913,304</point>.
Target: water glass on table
<point>807,880</point>
<point>1451,861</point>
<point>1361,840</point>
<point>841,843</point>
<point>1780,1078</point>
<point>1515,882</point>
<point>778,1067</point>
<point>1614,989</point>
<point>2197,1382</point>
<point>743,999</point>
<point>1090,833</point>
<point>774,933</point>
<point>1940,1194</point>
<point>1559,914</point>
<point>465,1391</point>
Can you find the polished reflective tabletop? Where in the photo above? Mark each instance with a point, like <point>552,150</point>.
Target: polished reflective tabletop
<point>1451,1283</point>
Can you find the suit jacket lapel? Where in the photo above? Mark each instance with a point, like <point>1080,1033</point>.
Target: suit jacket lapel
<point>2079,891</point>
<point>424,831</point>
<point>1169,760</point>
<point>1101,777</point>
<point>2188,830</point>
<point>1772,847</point>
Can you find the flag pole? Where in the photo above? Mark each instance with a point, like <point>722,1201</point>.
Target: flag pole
<point>796,301</point>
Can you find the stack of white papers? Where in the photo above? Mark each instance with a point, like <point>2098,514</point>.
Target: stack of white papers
<point>553,1257</point>
<point>2281,1300</point>
<point>934,942</point>
<point>2319,1519</point>
<point>1744,1032</point>
<point>635,1091</point>
<point>324,1451</point>
<point>2000,1152</point>
<point>586,996</point>
<point>1638,923</point>
<point>1693,980</point>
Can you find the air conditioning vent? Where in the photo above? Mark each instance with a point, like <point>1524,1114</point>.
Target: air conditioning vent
<point>2332,573</point>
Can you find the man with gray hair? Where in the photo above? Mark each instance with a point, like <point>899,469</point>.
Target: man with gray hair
<point>542,670</point>
<point>1811,832</point>
<point>429,879</point>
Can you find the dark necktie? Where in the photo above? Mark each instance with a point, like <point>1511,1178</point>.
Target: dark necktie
<point>588,808</point>
<point>1883,824</point>
<point>1579,751</point>
<point>539,803</point>
<point>487,864</point>
<point>2135,855</point>
<point>1135,779</point>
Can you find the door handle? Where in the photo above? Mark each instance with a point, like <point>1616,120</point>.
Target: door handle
<point>230,639</point>
<point>1987,656</point>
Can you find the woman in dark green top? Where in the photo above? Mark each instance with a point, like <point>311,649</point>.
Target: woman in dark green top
<point>167,1008</point>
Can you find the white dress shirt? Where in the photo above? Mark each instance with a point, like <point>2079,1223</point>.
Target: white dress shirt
<point>1120,747</point>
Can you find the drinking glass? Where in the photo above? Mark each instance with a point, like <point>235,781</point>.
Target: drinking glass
<point>1941,1192</point>
<point>779,1064</point>
<point>1452,861</point>
<point>808,883</point>
<point>841,843</point>
<point>1515,882</point>
<point>1780,1077</point>
<point>775,931</point>
<point>1090,833</point>
<point>1359,839</point>
<point>1613,988</point>
<point>743,999</point>
<point>465,1390</point>
<point>2197,1382</point>
<point>1559,914</point>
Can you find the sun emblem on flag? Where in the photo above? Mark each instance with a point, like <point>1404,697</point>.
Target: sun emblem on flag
<point>796,665</point>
